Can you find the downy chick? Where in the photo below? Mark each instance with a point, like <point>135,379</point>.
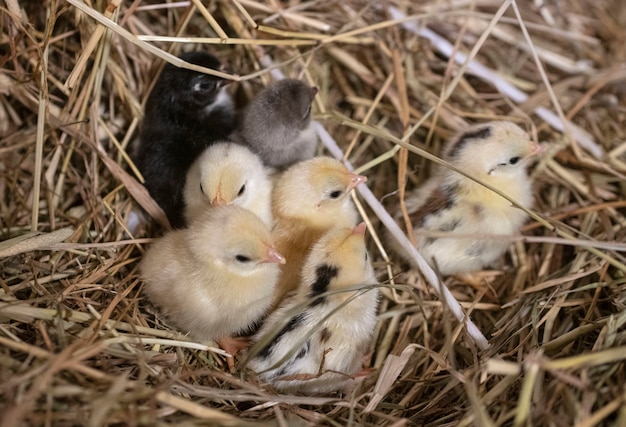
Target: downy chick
<point>277,123</point>
<point>327,340</point>
<point>215,278</point>
<point>228,173</point>
<point>308,199</point>
<point>496,153</point>
<point>185,112</point>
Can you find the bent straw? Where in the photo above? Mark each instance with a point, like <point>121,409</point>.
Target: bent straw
<point>489,76</point>
<point>440,289</point>
<point>429,274</point>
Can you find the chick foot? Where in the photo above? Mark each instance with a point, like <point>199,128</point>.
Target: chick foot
<point>232,345</point>
<point>480,280</point>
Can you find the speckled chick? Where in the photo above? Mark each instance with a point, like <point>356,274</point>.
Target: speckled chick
<point>228,173</point>
<point>496,153</point>
<point>325,341</point>
<point>308,199</point>
<point>277,123</point>
<point>215,278</point>
<point>185,112</point>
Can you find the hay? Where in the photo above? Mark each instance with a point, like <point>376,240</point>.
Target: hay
<point>79,345</point>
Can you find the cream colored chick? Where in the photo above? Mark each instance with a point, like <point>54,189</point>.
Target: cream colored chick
<point>228,173</point>
<point>322,345</point>
<point>308,199</point>
<point>496,153</point>
<point>215,278</point>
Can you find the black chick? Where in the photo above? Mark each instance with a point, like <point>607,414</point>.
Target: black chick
<point>185,112</point>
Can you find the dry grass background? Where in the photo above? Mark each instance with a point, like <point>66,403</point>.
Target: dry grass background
<point>79,345</point>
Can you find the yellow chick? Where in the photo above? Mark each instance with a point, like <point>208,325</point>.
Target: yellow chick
<point>496,153</point>
<point>308,199</point>
<point>228,173</point>
<point>215,278</point>
<point>323,343</point>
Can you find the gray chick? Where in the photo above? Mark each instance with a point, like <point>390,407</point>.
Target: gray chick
<point>277,124</point>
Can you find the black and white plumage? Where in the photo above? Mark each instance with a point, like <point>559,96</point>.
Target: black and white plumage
<point>277,123</point>
<point>185,112</point>
<point>325,340</point>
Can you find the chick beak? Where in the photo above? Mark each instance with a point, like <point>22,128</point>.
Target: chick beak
<point>224,82</point>
<point>274,257</point>
<point>360,229</point>
<point>355,180</point>
<point>535,148</point>
<point>218,200</point>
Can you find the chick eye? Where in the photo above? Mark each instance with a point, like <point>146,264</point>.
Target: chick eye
<point>336,194</point>
<point>202,189</point>
<point>514,160</point>
<point>204,86</point>
<point>242,258</point>
<point>242,190</point>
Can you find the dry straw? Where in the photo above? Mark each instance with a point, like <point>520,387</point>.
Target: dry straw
<point>542,342</point>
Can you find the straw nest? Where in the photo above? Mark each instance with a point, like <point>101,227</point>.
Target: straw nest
<point>80,345</point>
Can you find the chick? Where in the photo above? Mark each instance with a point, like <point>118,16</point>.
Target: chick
<point>215,278</point>
<point>323,344</point>
<point>185,112</point>
<point>277,123</point>
<point>228,173</point>
<point>308,199</point>
<point>496,153</point>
